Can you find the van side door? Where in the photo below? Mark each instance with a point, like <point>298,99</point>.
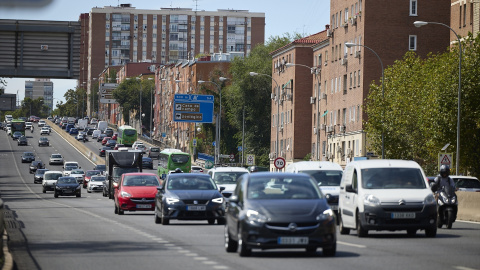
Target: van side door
<point>348,196</point>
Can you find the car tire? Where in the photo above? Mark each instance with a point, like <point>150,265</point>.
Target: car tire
<point>230,244</point>
<point>431,232</point>
<point>221,221</point>
<point>116,209</point>
<point>79,195</point>
<point>411,232</point>
<point>55,194</point>
<point>243,249</point>
<point>361,232</point>
<point>44,190</point>
<point>158,220</point>
<point>120,211</point>
<point>165,221</point>
<point>89,191</point>
<point>311,250</point>
<point>330,251</point>
<point>342,228</point>
<point>211,221</point>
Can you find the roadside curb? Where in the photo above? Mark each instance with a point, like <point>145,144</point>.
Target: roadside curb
<point>8,263</point>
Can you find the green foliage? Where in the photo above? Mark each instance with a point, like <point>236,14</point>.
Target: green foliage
<point>75,103</point>
<point>307,157</point>
<point>419,112</point>
<point>31,107</point>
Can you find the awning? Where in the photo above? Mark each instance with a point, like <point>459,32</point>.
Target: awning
<point>325,113</point>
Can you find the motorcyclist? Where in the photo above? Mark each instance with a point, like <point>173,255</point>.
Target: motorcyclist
<point>84,138</point>
<point>31,128</point>
<point>178,170</point>
<point>444,178</point>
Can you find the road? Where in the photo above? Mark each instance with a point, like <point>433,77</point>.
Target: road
<point>84,233</point>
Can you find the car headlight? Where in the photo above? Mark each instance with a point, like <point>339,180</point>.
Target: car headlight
<point>430,199</point>
<point>172,200</point>
<point>326,215</point>
<point>57,187</point>
<point>444,197</point>
<point>125,194</point>
<point>371,200</point>
<point>218,200</point>
<point>255,218</point>
<point>78,187</point>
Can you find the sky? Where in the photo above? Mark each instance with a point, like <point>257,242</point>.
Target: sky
<point>304,16</point>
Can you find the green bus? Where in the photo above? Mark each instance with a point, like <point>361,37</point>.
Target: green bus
<point>170,159</point>
<point>127,135</point>
<point>18,125</point>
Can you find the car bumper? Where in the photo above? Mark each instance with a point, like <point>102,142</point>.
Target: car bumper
<point>95,188</point>
<point>37,179</point>
<point>270,235</point>
<point>136,204</point>
<point>22,143</point>
<point>43,144</point>
<point>180,212</point>
<point>49,186</point>
<point>56,162</point>
<point>67,192</point>
<point>382,218</point>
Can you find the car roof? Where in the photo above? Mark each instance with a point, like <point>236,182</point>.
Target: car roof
<point>384,163</point>
<point>463,177</point>
<point>71,162</point>
<point>229,169</point>
<point>139,173</point>
<point>315,165</point>
<point>54,172</point>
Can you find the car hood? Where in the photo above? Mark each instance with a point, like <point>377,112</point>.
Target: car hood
<point>289,209</point>
<point>194,194</point>
<point>76,175</point>
<point>394,195</point>
<point>141,191</point>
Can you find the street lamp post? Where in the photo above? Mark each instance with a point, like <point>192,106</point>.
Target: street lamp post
<point>278,107</point>
<point>218,129</point>
<point>422,23</point>
<point>349,45</point>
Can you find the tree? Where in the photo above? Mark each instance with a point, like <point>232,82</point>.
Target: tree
<point>419,112</point>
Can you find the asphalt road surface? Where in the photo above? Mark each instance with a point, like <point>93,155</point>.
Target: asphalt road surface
<point>84,233</point>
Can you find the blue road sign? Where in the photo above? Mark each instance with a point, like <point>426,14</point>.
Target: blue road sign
<point>239,148</point>
<point>214,143</point>
<point>193,108</point>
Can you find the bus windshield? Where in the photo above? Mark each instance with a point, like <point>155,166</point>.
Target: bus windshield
<point>129,132</point>
<point>180,159</point>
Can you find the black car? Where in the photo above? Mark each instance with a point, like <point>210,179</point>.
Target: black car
<point>90,131</point>
<point>189,196</point>
<point>22,141</point>
<point>147,163</point>
<point>109,132</point>
<point>28,157</point>
<point>100,167</point>
<point>43,141</point>
<point>103,150</point>
<point>279,210</point>
<point>67,186</point>
<point>16,135</point>
<point>38,177</point>
<point>111,143</point>
<point>36,165</point>
<point>101,137</point>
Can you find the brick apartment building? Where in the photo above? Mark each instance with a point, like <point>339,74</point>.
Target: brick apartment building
<point>291,110</point>
<point>123,34</point>
<point>182,78</point>
<point>464,18</point>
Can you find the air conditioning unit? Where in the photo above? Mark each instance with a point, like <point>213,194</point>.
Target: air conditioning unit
<point>281,128</point>
<point>282,154</point>
<point>344,61</point>
<point>339,149</point>
<point>289,96</point>
<point>312,100</point>
<point>353,20</point>
<point>330,128</point>
<point>328,155</point>
<point>342,128</point>
<point>357,54</point>
<point>275,65</point>
<point>322,127</point>
<point>314,130</point>
<point>349,152</point>
<point>323,95</point>
<point>326,63</point>
<point>329,33</point>
<point>272,96</point>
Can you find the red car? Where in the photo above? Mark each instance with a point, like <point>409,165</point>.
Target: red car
<point>88,175</point>
<point>115,135</point>
<point>105,140</point>
<point>135,192</point>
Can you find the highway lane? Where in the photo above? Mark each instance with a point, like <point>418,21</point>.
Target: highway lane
<point>85,233</point>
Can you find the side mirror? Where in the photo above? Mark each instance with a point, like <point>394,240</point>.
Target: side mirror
<point>349,188</point>
<point>222,189</point>
<point>233,199</point>
<point>160,188</point>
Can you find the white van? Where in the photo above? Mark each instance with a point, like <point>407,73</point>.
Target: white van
<point>96,133</point>
<point>386,195</point>
<point>227,177</point>
<point>327,174</point>
<point>102,125</point>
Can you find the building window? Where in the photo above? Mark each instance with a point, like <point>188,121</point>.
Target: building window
<point>351,80</point>
<point>471,13</point>
<point>464,15</point>
<point>413,7</point>
<point>354,79</point>
<point>412,42</point>
<point>460,17</point>
<point>358,78</point>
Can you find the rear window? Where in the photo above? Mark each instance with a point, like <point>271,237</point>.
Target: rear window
<point>155,149</point>
<point>180,158</point>
<point>392,178</point>
<point>325,178</point>
<point>52,176</point>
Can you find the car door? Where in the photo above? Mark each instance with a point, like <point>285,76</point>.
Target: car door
<point>348,197</point>
<point>234,209</point>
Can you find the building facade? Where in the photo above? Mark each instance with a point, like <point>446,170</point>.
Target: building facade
<point>123,34</point>
<point>40,88</point>
<point>464,18</point>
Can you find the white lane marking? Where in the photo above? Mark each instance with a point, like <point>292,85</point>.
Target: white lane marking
<point>191,254</point>
<point>209,262</point>
<point>466,221</point>
<point>169,245</point>
<point>200,258</point>
<point>350,244</point>
<point>220,267</point>
<point>183,251</point>
<point>463,268</point>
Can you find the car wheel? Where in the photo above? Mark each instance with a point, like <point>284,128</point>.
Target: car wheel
<point>79,195</point>
<point>330,251</point>
<point>230,244</point>
<point>104,194</point>
<point>120,211</point>
<point>165,221</point>
<point>116,209</point>
<point>211,221</point>
<point>158,220</point>
<point>44,190</point>
<point>221,221</point>
<point>311,249</point>
<point>89,191</point>
<point>342,228</point>
<point>361,232</point>
<point>411,232</point>
<point>431,232</point>
<point>243,249</point>
<point>55,194</point>
<point>439,222</point>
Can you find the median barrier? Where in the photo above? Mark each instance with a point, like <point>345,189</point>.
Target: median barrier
<point>79,145</point>
<point>468,206</point>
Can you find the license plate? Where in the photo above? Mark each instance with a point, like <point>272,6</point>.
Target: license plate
<point>196,208</point>
<point>144,206</point>
<point>334,207</point>
<point>292,240</point>
<point>403,215</point>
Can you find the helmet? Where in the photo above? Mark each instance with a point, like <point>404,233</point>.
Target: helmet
<point>178,170</point>
<point>444,170</point>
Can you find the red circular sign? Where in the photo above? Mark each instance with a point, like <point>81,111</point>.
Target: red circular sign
<point>279,163</point>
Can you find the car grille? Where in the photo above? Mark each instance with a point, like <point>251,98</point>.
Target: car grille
<point>403,209</point>
<point>302,228</point>
<point>142,200</point>
<point>196,214</point>
<point>198,201</point>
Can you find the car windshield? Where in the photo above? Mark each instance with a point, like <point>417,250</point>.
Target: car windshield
<point>468,183</point>
<point>66,180</point>
<point>78,172</point>
<point>43,139</point>
<point>180,159</point>
<point>97,179</point>
<point>223,178</point>
<point>392,178</point>
<point>189,182</point>
<point>140,180</point>
<point>101,167</point>
<point>117,171</point>
<point>90,173</point>
<point>17,133</point>
<point>325,178</point>
<point>52,176</point>
<point>56,156</point>
<point>282,188</point>
<point>28,154</point>
<point>41,171</point>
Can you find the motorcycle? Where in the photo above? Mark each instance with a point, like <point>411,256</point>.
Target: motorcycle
<point>447,206</point>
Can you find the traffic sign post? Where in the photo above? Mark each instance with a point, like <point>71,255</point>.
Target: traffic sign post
<point>279,163</point>
<point>193,108</point>
<point>106,90</point>
<point>445,159</point>
<point>250,160</point>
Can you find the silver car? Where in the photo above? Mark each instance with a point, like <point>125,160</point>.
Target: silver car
<point>56,159</point>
